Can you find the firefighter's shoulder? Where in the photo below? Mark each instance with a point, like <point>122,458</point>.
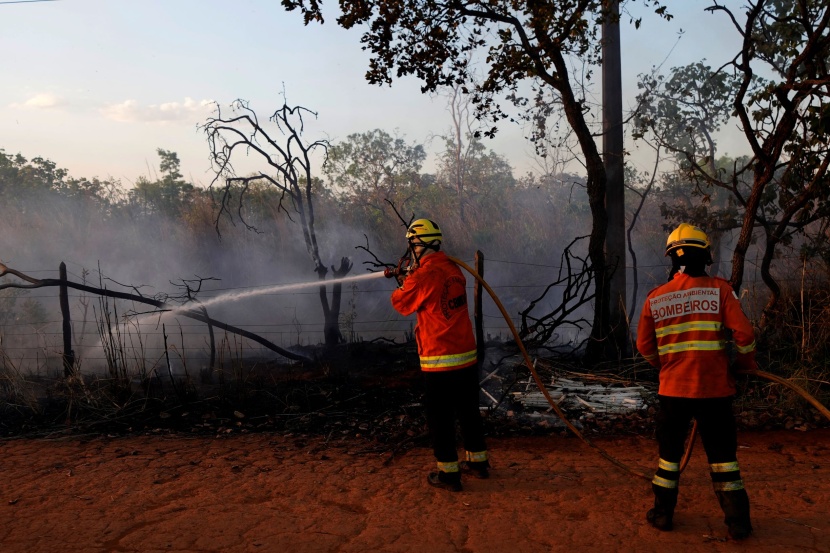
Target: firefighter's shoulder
<point>655,289</point>
<point>723,283</point>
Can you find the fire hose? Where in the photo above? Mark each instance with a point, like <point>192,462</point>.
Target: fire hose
<point>690,442</point>
<point>690,445</point>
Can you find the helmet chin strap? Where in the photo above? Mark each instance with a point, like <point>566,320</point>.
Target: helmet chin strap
<point>416,258</point>
<point>410,260</point>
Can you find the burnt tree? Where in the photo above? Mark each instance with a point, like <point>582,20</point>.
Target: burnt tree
<point>287,166</point>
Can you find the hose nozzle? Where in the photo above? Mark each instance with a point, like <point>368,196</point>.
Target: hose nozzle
<point>406,264</point>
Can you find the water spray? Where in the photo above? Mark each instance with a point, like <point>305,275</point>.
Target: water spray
<point>185,311</point>
<point>236,296</point>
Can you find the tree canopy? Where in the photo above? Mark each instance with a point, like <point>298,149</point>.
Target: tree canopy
<point>776,88</point>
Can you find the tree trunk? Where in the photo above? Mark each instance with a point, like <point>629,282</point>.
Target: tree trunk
<point>331,311</point>
<point>601,346</point>
<point>612,149</point>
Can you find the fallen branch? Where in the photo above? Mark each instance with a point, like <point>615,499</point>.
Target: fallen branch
<point>40,283</point>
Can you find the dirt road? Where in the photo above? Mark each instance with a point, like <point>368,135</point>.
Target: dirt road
<point>271,493</point>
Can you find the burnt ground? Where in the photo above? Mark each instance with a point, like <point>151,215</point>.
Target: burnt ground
<point>369,391</point>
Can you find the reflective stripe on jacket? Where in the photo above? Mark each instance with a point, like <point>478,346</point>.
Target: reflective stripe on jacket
<point>682,331</point>
<point>436,291</point>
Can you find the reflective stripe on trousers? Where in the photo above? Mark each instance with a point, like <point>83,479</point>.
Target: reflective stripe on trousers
<point>726,477</point>
<point>667,475</point>
<point>448,467</point>
<point>477,456</point>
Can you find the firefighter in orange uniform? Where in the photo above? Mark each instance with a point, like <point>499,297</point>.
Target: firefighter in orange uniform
<point>682,332</point>
<point>434,288</point>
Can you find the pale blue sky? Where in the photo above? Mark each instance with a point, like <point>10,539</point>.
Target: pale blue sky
<point>98,85</point>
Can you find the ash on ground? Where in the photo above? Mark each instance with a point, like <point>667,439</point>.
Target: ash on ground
<point>592,402</point>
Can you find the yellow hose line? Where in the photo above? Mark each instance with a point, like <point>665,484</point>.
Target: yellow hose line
<point>773,378</point>
<point>690,445</point>
<point>538,380</point>
<point>692,434</point>
<point>794,387</point>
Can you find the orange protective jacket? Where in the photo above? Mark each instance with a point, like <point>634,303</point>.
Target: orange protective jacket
<point>436,291</point>
<point>682,331</point>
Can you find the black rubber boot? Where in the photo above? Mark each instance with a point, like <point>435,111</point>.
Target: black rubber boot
<point>478,469</point>
<point>662,514</point>
<point>735,506</point>
<point>447,480</point>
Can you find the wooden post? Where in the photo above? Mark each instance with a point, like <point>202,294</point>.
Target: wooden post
<point>478,316</point>
<point>68,354</point>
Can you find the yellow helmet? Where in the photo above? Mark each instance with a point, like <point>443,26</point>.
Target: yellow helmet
<point>426,230</point>
<point>686,236</point>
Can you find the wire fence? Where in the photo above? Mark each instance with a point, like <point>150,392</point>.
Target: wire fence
<point>32,341</point>
<point>750,262</point>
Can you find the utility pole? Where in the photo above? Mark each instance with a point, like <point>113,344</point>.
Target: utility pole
<point>612,151</point>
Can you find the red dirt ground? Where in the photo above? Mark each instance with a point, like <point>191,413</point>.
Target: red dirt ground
<point>272,493</point>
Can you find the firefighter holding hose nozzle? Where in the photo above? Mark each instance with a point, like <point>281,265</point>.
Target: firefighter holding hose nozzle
<point>434,288</point>
<point>682,332</point>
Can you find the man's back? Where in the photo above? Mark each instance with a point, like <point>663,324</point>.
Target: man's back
<point>683,324</point>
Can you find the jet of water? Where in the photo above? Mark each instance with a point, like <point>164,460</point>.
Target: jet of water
<point>236,296</point>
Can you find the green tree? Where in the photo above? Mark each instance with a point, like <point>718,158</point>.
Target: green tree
<point>168,195</point>
<point>776,88</point>
<point>487,177</point>
<point>369,171</point>
<point>373,166</point>
<point>20,177</point>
